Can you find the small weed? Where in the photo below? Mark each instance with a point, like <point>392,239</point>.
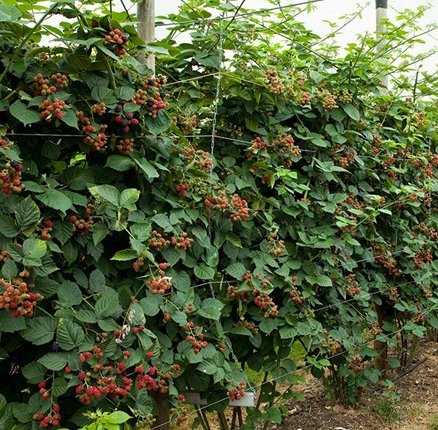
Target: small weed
<point>387,408</point>
<point>434,423</point>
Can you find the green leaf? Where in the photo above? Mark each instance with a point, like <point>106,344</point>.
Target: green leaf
<point>27,214</point>
<point>25,115</point>
<point>125,255</point>
<point>54,360</point>
<point>324,281</point>
<point>8,227</point>
<point>236,270</point>
<point>69,335</point>
<point>34,249</point>
<point>351,111</point>
<point>125,93</point>
<point>147,168</point>
<point>128,198</point>
<point>55,199</point>
<point>121,163</point>
<point>204,272</point>
<point>9,324</point>
<point>97,281</point>
<point>108,304</point>
<point>106,192</point>
<point>69,294</point>
<point>211,309</point>
<point>34,372</point>
<point>9,13</point>
<point>118,417</point>
<point>41,330</point>
<point>159,124</point>
<point>9,269</point>
<point>163,221</point>
<point>151,305</point>
<point>69,117</point>
<point>100,231</point>
<point>59,387</point>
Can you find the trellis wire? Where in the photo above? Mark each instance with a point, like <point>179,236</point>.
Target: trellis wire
<point>395,333</point>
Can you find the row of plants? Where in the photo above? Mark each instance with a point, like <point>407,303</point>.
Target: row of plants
<point>142,259</point>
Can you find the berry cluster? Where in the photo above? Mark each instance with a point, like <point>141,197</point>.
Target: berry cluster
<point>181,189</point>
<point>197,157</point>
<point>52,419</point>
<point>344,96</point>
<point>327,99</point>
<point>178,242</point>
<point>125,119</point>
<point>384,257</point>
<point>275,247</point>
<point>297,296</point>
<point>352,286</point>
<point>343,156</point>
<point>50,110</point>
<point>304,99</point>
<point>356,363</point>
<point>329,343</point>
<point>82,226</point>
<point>430,232</point>
<point>422,256</point>
<point>17,297</point>
<point>196,337</point>
<point>4,255</point>
<point>45,232</point>
<point>187,123</point>
<point>160,284</point>
<point>125,146</point>
<point>99,109</point>
<point>265,303</point>
<point>273,81</point>
<point>237,393</point>
<point>233,204</point>
<point>117,41</point>
<point>283,148</point>
<point>10,178</point>
<point>43,87</point>
<point>235,294</point>
<point>92,137</point>
<point>153,103</point>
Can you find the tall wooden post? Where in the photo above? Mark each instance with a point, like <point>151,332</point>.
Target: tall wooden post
<point>146,29</point>
<point>381,16</point>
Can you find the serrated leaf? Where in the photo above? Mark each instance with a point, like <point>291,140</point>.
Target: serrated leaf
<point>41,331</point>
<point>147,168</point>
<point>69,117</point>
<point>25,115</point>
<point>121,163</point>
<point>69,294</point>
<point>351,111</point>
<point>108,304</point>
<point>211,309</point>
<point>106,192</point>
<point>69,335</point>
<point>118,417</point>
<point>34,372</point>
<point>128,198</point>
<point>97,281</point>
<point>159,124</point>
<point>202,271</point>
<point>9,269</point>
<point>236,270</point>
<point>163,221</point>
<point>55,199</point>
<point>54,360</point>
<point>27,214</point>
<point>125,255</point>
<point>8,228</point>
<point>151,305</point>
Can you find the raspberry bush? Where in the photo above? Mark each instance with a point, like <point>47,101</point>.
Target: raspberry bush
<point>137,264</point>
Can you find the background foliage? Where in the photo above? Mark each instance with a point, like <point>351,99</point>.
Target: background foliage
<point>142,258</point>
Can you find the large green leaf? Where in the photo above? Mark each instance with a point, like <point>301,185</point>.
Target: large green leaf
<point>54,360</point>
<point>159,124</point>
<point>106,192</point>
<point>352,112</point>
<point>236,270</point>
<point>202,271</point>
<point>8,227</point>
<point>25,115</point>
<point>211,309</point>
<point>108,304</point>
<point>121,163</point>
<point>69,294</point>
<point>69,335</point>
<point>27,214</point>
<point>128,198</point>
<point>41,330</point>
<point>55,199</point>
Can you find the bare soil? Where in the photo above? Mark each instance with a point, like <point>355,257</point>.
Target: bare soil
<point>417,408</point>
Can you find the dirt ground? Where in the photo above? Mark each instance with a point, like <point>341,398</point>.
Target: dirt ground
<point>417,408</point>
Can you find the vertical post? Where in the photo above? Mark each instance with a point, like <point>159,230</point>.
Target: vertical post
<point>146,29</point>
<point>381,16</point>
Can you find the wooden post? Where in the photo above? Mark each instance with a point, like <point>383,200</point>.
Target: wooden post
<point>146,29</point>
<point>162,420</point>
<point>381,16</point>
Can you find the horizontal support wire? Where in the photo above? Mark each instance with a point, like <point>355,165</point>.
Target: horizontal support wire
<point>340,354</point>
